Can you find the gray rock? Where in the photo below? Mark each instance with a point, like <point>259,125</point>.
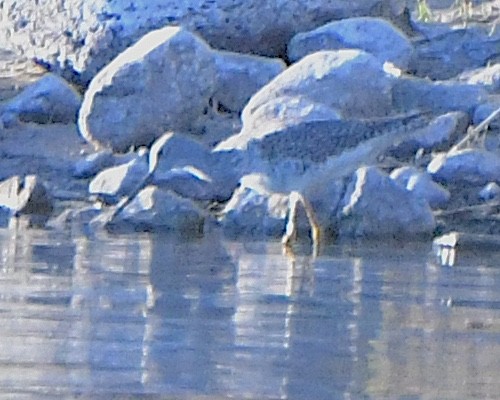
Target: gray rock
<point>355,33</point>
<point>154,209</point>
<point>422,185</point>
<point>26,195</point>
<point>376,206</point>
<point>93,164</point>
<point>438,97</point>
<point>116,182</point>
<point>82,36</point>
<point>483,111</point>
<point>441,133</point>
<point>49,100</point>
<point>470,165</point>
<point>490,191</point>
<point>352,82</point>
<point>239,76</point>
<point>174,150</point>
<point>163,82</point>
<point>444,52</point>
<point>174,157</point>
<point>191,183</point>
<point>254,210</point>
<point>488,76</point>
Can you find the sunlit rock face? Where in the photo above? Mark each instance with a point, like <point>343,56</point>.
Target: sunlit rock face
<point>81,36</point>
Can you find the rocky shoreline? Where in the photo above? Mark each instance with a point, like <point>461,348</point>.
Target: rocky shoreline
<point>174,134</point>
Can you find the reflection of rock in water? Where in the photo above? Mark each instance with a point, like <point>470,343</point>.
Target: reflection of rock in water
<point>190,324</point>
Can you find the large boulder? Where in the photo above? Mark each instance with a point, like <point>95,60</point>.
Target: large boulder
<point>49,100</point>
<point>375,206</point>
<point>81,36</point>
<point>350,81</point>
<point>373,35</point>
<point>162,82</point>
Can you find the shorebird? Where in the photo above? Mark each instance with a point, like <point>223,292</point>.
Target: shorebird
<point>300,159</point>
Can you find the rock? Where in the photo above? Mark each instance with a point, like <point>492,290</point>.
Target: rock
<point>351,82</point>
<point>163,82</point>
<point>483,111</point>
<point>82,36</point>
<point>174,150</point>
<point>116,182</point>
<point>355,33</point>
<point>191,183</point>
<point>154,209</point>
<point>438,97</point>
<point>239,76</point>
<point>441,133</point>
<point>93,163</point>
<point>49,100</point>
<point>490,191</point>
<point>376,206</point>
<point>422,185</point>
<point>174,158</point>
<point>254,210</point>
<point>473,166</point>
<point>444,52</point>
<point>488,76</point>
<point>26,195</point>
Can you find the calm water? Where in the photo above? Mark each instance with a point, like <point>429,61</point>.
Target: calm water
<point>148,316</point>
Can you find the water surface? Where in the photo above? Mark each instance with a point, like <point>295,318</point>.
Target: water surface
<point>151,316</point>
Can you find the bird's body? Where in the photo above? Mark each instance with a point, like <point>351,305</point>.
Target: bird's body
<point>301,157</point>
<point>300,160</point>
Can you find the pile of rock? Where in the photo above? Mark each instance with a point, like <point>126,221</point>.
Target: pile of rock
<point>198,132</point>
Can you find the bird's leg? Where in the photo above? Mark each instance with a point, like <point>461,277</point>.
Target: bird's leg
<point>294,199</point>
